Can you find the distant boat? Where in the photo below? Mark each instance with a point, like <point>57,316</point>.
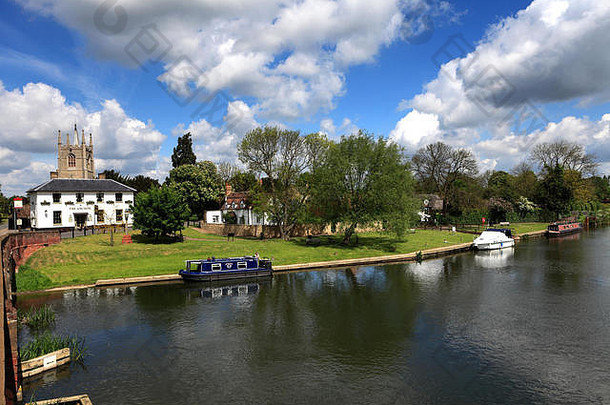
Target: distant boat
<point>565,227</point>
<point>213,269</point>
<point>492,239</point>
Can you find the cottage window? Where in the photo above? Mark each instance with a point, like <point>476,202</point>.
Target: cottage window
<point>56,197</point>
<point>79,197</point>
<point>215,218</point>
<point>56,217</point>
<point>119,215</point>
<point>71,160</point>
<point>118,197</point>
<point>100,197</point>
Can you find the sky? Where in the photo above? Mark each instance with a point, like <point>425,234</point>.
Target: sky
<point>494,77</point>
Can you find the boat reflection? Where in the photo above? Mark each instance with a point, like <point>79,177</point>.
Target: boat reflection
<point>492,259</point>
<point>563,238</point>
<point>238,290</point>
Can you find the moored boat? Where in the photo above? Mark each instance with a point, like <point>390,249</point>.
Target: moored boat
<point>213,269</point>
<point>492,239</point>
<point>564,227</point>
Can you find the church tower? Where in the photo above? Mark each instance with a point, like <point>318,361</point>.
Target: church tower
<point>74,161</point>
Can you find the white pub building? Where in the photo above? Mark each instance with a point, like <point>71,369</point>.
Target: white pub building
<point>74,198</point>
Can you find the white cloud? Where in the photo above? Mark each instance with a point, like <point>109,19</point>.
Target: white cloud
<point>416,127</point>
<point>553,51</point>
<point>289,56</point>
<point>220,143</point>
<point>347,127</point>
<point>31,116</point>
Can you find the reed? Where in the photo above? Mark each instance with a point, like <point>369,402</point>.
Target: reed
<point>45,343</point>
<point>37,319</point>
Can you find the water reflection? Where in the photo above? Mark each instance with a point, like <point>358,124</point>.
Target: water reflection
<point>443,331</point>
<point>493,259</point>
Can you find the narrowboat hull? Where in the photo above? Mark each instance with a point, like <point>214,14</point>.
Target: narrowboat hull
<point>224,274</point>
<point>555,230</point>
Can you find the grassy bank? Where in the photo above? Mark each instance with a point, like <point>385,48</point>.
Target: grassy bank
<point>87,259</point>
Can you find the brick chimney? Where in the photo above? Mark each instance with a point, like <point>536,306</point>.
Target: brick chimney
<point>101,176</point>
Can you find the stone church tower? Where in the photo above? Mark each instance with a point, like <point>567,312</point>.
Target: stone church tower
<point>74,161</point>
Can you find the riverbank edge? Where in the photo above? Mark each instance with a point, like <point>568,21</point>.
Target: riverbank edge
<point>362,261</point>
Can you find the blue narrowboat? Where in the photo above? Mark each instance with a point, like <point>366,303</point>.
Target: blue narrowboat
<point>213,269</point>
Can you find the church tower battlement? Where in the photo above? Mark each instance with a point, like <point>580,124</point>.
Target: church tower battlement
<point>74,161</point>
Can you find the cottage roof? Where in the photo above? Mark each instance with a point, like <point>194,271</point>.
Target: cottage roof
<point>236,201</point>
<point>81,185</point>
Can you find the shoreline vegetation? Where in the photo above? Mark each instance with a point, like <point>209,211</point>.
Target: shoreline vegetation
<point>86,259</point>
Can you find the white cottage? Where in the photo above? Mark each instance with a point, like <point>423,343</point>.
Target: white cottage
<point>78,203</point>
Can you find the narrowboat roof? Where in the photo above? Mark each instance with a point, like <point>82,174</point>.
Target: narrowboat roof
<point>223,259</point>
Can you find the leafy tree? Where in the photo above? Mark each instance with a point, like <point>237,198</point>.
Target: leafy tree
<point>568,155</point>
<point>602,187</point>
<point>5,204</point>
<point>160,212</point>
<point>183,152</point>
<point>226,171</point>
<point>498,208</point>
<point>243,181</point>
<point>139,182</point>
<point>363,181</point>
<point>525,181</point>
<point>283,156</point>
<point>143,183</point>
<point>198,185</point>
<point>500,185</point>
<point>554,195</point>
<point>525,206</point>
<point>583,190</point>
<point>438,166</point>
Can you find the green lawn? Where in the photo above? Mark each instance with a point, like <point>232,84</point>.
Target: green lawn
<point>522,228</point>
<point>87,259</point>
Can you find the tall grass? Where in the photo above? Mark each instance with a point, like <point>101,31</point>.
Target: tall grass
<point>37,319</point>
<point>47,343</point>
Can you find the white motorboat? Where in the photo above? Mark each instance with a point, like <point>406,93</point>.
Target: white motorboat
<point>494,239</point>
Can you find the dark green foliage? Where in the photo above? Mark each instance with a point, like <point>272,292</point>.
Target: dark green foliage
<point>198,185</point>
<point>5,204</point>
<point>48,343</point>
<point>554,195</point>
<point>140,182</point>
<point>183,152</point>
<point>37,318</point>
<point>363,181</point>
<point>500,185</point>
<point>498,209</point>
<point>243,181</point>
<point>160,212</point>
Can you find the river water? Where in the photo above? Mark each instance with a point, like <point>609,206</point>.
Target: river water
<point>529,325</point>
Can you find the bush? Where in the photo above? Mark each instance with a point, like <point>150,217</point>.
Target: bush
<point>160,212</point>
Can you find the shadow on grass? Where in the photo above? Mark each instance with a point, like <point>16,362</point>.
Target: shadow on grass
<point>164,240</point>
<point>384,243</point>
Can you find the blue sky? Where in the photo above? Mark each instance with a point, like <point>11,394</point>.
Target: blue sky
<point>515,73</point>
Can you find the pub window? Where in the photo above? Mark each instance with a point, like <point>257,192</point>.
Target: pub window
<point>100,216</point>
<point>119,215</point>
<point>56,197</point>
<point>118,197</point>
<point>79,197</point>
<point>56,217</point>
<point>100,197</point>
<point>71,160</point>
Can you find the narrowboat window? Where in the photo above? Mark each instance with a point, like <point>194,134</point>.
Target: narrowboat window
<point>242,265</point>
<point>216,267</point>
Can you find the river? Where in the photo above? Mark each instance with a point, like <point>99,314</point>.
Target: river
<point>529,325</point>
